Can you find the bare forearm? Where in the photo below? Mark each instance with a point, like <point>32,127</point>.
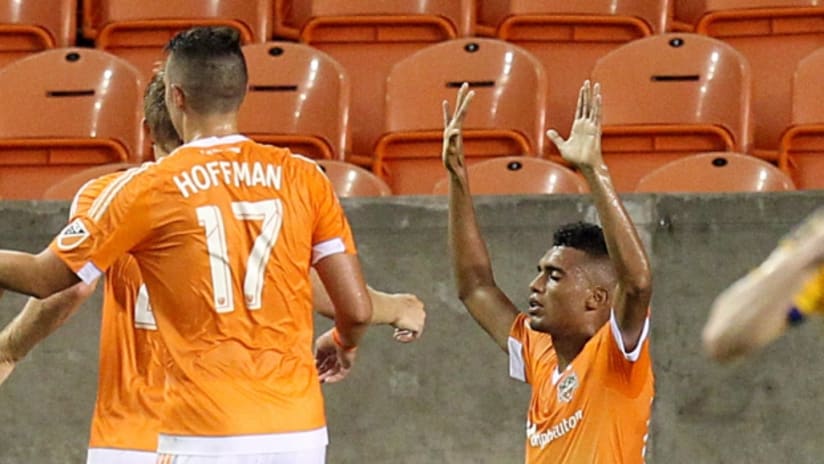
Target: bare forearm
<point>342,278</point>
<point>626,250</point>
<point>383,312</point>
<point>34,275</point>
<point>470,258</point>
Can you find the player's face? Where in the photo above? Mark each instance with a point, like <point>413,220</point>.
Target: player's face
<point>557,301</point>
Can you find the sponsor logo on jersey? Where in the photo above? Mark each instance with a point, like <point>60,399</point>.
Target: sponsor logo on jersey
<point>72,235</point>
<point>542,439</point>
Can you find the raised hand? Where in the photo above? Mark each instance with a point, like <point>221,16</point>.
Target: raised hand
<point>452,154</point>
<point>583,147</point>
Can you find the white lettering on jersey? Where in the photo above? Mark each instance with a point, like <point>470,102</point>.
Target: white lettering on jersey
<point>215,173</point>
<point>560,429</point>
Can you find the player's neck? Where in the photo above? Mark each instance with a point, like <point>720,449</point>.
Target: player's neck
<point>202,127</point>
<point>567,349</point>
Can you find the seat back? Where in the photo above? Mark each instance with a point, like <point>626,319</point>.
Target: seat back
<point>298,97</point>
<point>353,181</point>
<point>64,110</point>
<point>774,36</point>
<point>801,153</point>
<point>716,172</point>
<point>506,118</point>
<point>30,26</point>
<point>138,31</point>
<point>518,175</point>
<point>682,94</point>
<point>66,188</point>
<point>568,37</point>
<point>368,38</point>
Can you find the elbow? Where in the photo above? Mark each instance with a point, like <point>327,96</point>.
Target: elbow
<point>718,344</point>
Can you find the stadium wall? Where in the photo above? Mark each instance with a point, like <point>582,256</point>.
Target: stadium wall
<point>447,398</point>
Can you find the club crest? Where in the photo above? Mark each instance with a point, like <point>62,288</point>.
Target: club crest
<point>567,387</point>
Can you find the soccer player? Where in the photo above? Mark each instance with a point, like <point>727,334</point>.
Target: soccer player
<point>224,233</point>
<point>780,293</point>
<point>583,343</point>
<point>130,391</point>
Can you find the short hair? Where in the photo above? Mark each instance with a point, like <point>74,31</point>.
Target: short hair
<point>583,236</point>
<point>208,64</point>
<point>157,117</point>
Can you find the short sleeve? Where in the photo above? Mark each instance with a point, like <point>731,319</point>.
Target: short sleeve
<point>810,300</point>
<point>105,225</point>
<point>528,350</point>
<point>331,234</point>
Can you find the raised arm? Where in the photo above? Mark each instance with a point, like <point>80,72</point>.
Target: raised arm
<point>37,275</point>
<point>403,311</point>
<point>38,320</point>
<point>470,259</point>
<point>583,149</point>
<point>753,311</point>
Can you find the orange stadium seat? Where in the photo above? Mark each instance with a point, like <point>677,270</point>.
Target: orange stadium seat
<point>30,26</point>
<point>298,98</point>
<point>668,96</point>
<point>63,111</point>
<point>716,172</point>
<point>568,36</point>
<point>353,181</point>
<point>512,175</point>
<point>774,35</point>
<point>138,31</point>
<point>367,38</point>
<point>506,118</point>
<point>801,153</point>
<point>66,188</point>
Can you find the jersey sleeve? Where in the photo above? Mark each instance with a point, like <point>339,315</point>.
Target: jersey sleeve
<point>106,225</point>
<point>525,347</point>
<point>810,300</point>
<point>624,368</point>
<point>331,234</point>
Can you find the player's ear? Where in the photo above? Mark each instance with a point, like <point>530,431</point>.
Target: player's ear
<point>178,97</point>
<point>598,298</point>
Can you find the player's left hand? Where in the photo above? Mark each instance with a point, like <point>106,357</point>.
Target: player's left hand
<point>332,361</point>
<point>411,317</point>
<point>583,147</point>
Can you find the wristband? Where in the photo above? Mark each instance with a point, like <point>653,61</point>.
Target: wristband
<point>339,342</point>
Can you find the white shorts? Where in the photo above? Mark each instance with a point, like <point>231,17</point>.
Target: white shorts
<point>110,455</point>
<point>311,456</point>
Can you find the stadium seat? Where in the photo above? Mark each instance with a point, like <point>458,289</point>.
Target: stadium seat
<point>66,188</point>
<point>138,31</point>
<point>506,117</point>
<point>514,175</point>
<point>774,35</point>
<point>568,37</point>
<point>801,152</point>
<point>367,38</point>
<point>716,172</point>
<point>353,181</point>
<point>668,96</point>
<point>63,111</point>
<point>298,97</point>
<point>31,26</point>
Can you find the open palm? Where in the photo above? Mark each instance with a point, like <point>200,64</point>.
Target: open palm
<point>583,147</point>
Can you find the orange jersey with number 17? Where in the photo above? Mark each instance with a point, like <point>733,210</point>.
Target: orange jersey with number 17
<point>224,231</point>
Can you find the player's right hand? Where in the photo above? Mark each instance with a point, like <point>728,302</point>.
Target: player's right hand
<point>452,154</point>
<point>332,361</point>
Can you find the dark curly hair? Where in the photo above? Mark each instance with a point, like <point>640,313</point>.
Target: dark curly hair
<point>583,236</point>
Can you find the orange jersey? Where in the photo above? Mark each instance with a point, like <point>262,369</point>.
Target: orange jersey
<point>224,231</point>
<point>597,411</point>
<point>130,384</point>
